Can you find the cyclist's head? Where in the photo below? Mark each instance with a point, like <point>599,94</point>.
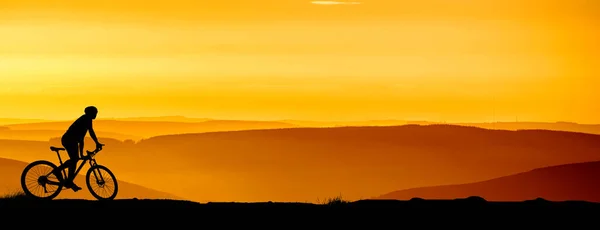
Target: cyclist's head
<point>91,111</point>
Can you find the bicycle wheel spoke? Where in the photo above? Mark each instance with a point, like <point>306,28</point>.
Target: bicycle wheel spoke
<point>102,183</point>
<point>35,178</point>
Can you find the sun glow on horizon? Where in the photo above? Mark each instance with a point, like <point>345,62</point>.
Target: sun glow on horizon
<point>294,60</point>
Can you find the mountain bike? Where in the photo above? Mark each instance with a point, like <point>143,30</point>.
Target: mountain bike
<point>39,179</point>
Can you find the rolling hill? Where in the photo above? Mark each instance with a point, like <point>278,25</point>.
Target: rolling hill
<point>303,123</point>
<point>354,160</point>
<point>45,135</point>
<point>161,118</point>
<point>578,181</point>
<point>10,174</point>
<point>8,121</point>
<point>181,124</point>
<point>554,126</point>
<point>305,164</point>
<point>146,129</point>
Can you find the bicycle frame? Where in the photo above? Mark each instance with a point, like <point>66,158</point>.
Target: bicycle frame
<point>89,157</point>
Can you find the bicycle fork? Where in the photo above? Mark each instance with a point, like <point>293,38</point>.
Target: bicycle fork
<point>97,175</point>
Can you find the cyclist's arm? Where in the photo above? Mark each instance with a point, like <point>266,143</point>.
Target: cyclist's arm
<point>93,134</point>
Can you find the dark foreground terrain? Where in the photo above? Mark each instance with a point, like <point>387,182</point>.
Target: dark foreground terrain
<point>473,211</point>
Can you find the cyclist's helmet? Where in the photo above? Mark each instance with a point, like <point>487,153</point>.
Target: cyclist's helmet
<point>90,110</point>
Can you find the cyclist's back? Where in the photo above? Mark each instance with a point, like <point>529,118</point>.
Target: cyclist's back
<point>79,128</point>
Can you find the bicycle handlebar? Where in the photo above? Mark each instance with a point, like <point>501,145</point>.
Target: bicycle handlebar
<point>95,150</point>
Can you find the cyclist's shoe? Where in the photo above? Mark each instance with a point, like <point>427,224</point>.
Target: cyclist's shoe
<point>75,188</point>
<point>72,185</point>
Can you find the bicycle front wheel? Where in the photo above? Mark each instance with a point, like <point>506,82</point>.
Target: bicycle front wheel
<point>38,181</point>
<point>102,183</point>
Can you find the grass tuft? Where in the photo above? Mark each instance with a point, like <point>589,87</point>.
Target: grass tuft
<point>338,200</point>
<point>16,195</point>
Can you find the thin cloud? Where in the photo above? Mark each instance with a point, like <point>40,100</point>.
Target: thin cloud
<point>335,3</point>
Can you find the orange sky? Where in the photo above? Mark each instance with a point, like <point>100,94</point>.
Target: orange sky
<point>468,60</point>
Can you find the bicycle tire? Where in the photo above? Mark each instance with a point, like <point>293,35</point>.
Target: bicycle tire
<point>99,169</point>
<point>24,181</point>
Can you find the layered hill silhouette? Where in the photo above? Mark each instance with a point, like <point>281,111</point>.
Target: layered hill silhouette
<point>136,128</point>
<point>304,123</point>
<point>554,126</point>
<point>305,164</point>
<point>9,121</point>
<point>45,135</point>
<point>10,174</point>
<point>162,118</point>
<point>569,182</point>
<point>153,127</point>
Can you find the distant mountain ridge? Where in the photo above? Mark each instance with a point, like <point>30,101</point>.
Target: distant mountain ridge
<point>181,121</point>
<point>340,159</point>
<point>146,129</point>
<point>304,163</point>
<point>577,181</point>
<point>45,135</point>
<point>160,118</point>
<point>9,121</point>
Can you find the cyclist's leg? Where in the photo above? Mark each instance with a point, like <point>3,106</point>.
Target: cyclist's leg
<point>72,148</point>
<point>58,172</point>
<point>72,164</point>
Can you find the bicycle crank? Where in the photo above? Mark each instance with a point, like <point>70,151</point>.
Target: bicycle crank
<point>42,181</point>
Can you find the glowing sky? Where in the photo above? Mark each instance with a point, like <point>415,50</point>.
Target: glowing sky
<point>438,60</point>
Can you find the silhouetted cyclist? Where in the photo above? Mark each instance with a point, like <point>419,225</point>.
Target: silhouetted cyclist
<point>72,141</point>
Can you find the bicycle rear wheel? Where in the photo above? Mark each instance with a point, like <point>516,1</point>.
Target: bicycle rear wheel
<point>38,181</point>
<point>102,183</point>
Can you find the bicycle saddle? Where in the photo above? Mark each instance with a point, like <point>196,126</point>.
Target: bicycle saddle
<point>56,148</point>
